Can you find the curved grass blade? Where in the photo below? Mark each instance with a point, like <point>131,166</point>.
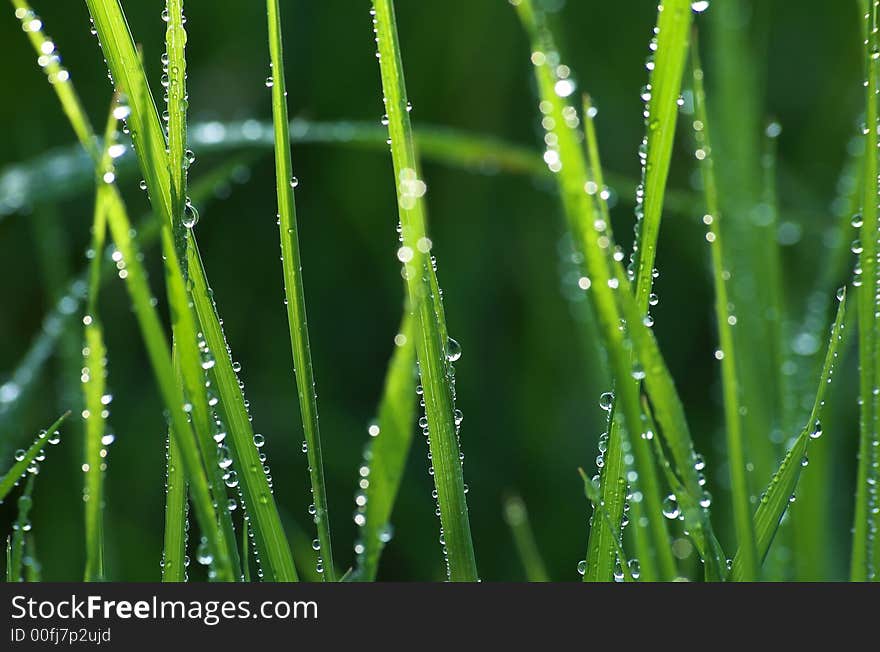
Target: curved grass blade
<point>95,372</point>
<point>866,547</point>
<point>725,320</point>
<point>594,241</point>
<point>174,548</point>
<point>148,138</point>
<point>387,451</point>
<point>66,172</point>
<point>517,518</point>
<point>23,459</point>
<point>776,499</point>
<point>294,292</point>
<point>431,344</point>
<point>19,533</point>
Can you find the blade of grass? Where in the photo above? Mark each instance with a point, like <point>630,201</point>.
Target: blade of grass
<point>293,288</point>
<point>187,343</point>
<point>23,459</point>
<point>143,121</point>
<point>776,499</point>
<point>865,546</point>
<point>426,303</point>
<point>387,451</point>
<point>65,172</point>
<point>174,548</point>
<point>625,571</point>
<point>517,518</point>
<point>94,374</point>
<point>594,240</point>
<point>19,533</point>
<point>32,567</point>
<point>725,320</point>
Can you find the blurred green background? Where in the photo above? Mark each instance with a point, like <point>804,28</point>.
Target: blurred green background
<point>529,380</point>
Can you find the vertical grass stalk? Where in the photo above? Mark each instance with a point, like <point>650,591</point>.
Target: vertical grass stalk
<point>431,342</point>
<point>725,320</point>
<point>293,288</point>
<point>865,542</point>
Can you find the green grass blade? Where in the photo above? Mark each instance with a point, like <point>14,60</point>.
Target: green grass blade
<point>517,518</point>
<point>426,303</point>
<point>66,172</point>
<point>670,49</point>
<point>776,499</point>
<point>273,548</point>
<point>23,459</point>
<point>603,543</point>
<point>725,320</point>
<point>623,569</point>
<point>32,568</point>
<point>19,533</point>
<point>186,347</point>
<point>294,292</point>
<point>94,383</point>
<point>386,453</point>
<point>594,240</point>
<point>58,76</point>
<point>865,552</point>
<point>174,548</point>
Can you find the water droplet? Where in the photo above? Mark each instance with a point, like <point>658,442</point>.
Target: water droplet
<point>606,401</point>
<point>582,567</point>
<point>270,82</point>
<point>699,6</point>
<point>671,509</point>
<point>190,215</point>
<point>453,350</point>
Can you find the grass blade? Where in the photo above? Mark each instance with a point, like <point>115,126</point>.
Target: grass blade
<point>387,451</point>
<point>594,240</point>
<point>866,549</point>
<point>19,534</point>
<point>776,499</point>
<point>725,320</point>
<point>186,349</point>
<point>23,459</point>
<point>174,548</point>
<point>94,375</point>
<point>431,343</point>
<point>517,519</point>
<point>293,288</point>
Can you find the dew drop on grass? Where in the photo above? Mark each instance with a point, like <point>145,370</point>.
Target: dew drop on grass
<point>190,215</point>
<point>699,6</point>
<point>606,401</point>
<point>817,430</point>
<point>582,567</point>
<point>671,509</point>
<point>270,82</point>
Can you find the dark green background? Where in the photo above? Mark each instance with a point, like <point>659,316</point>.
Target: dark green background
<point>528,382</point>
